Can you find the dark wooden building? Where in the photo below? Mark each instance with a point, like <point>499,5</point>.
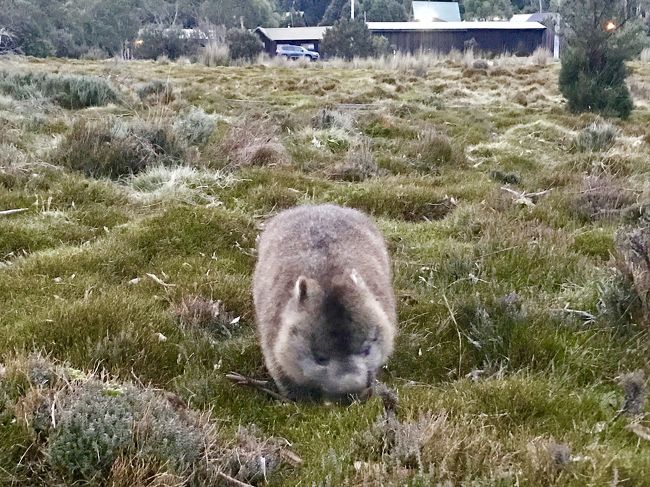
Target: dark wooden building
<point>307,37</point>
<point>412,37</point>
<point>442,37</point>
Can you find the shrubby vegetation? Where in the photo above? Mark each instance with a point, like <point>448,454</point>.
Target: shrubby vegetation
<point>348,39</point>
<point>601,36</point>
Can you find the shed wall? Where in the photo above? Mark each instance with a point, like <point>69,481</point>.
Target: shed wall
<point>496,41</point>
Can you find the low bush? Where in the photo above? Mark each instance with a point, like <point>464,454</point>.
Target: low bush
<point>243,44</point>
<point>87,430</point>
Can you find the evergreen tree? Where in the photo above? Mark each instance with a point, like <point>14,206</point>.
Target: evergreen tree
<point>348,39</point>
<point>601,35</point>
<point>487,9</point>
<point>384,11</point>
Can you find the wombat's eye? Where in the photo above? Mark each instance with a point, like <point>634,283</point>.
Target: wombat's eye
<point>321,359</point>
<point>365,351</point>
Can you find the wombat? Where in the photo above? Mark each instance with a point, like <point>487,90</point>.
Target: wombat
<point>324,301</point>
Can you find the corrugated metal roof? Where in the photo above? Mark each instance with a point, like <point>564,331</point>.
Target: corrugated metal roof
<point>386,26</point>
<point>535,17</point>
<point>436,11</point>
<point>293,33</point>
<point>280,34</point>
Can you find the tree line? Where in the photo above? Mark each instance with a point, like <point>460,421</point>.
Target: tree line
<point>72,28</point>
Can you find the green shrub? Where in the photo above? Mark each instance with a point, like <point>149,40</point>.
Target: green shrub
<point>69,91</point>
<point>595,89</point>
<point>348,39</point>
<point>243,44</point>
<point>601,36</point>
<point>155,42</point>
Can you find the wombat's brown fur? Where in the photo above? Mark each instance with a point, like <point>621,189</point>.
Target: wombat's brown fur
<point>324,301</point>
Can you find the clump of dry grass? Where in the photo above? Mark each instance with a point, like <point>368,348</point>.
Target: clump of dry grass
<point>157,91</point>
<point>547,457</point>
<point>602,197</point>
<point>254,141</point>
<point>520,98</point>
<point>214,54</point>
<point>252,459</point>
<point>597,137</point>
<point>432,446</point>
<point>326,119</point>
<point>540,56</point>
<point>634,389</point>
<point>113,148</point>
<point>199,313</point>
<point>633,260</point>
<point>14,165</point>
<point>358,165</point>
<point>433,149</point>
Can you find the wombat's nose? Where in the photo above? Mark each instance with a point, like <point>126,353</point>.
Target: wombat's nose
<point>351,383</point>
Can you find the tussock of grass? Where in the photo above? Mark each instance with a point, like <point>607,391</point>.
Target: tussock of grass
<point>327,118</point>
<point>602,198</point>
<point>433,149</point>
<point>179,183</point>
<point>71,92</point>
<point>254,142</point>
<point>196,126</point>
<point>198,313</point>
<point>157,91</point>
<point>404,201</point>
<point>214,54</point>
<point>114,149</point>
<point>359,164</point>
<point>597,137</point>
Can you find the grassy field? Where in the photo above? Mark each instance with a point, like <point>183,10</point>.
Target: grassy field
<point>125,276</point>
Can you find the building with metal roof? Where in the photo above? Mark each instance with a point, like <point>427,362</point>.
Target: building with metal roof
<point>552,40</point>
<point>308,37</point>
<point>436,11</point>
<point>441,37</point>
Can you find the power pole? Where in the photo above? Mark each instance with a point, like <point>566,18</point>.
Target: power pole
<point>352,9</point>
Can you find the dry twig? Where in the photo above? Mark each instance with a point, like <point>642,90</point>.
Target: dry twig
<point>256,384</point>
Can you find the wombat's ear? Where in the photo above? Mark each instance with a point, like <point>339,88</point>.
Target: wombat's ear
<point>300,290</point>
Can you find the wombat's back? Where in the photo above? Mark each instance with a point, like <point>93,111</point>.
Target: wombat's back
<point>319,242</point>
